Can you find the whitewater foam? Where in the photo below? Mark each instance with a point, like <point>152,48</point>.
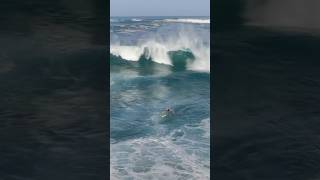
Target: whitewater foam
<point>181,154</point>
<point>159,46</point>
<point>147,158</point>
<point>136,19</point>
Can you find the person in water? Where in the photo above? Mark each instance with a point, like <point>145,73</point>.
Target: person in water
<point>169,111</point>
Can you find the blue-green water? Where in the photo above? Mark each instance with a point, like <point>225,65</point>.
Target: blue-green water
<point>159,63</point>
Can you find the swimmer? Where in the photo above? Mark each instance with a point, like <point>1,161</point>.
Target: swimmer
<point>167,112</point>
<point>170,111</point>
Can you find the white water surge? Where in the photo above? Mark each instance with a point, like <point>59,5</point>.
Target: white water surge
<point>158,48</point>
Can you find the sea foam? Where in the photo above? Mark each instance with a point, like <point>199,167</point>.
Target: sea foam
<point>194,21</point>
<point>173,156</point>
<point>159,46</point>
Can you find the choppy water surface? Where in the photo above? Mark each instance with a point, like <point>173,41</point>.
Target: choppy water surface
<point>157,63</point>
<point>266,104</point>
<point>52,91</point>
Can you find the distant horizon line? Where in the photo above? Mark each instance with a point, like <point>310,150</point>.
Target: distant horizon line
<point>164,16</point>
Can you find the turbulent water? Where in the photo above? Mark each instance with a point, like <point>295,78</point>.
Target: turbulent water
<point>158,63</point>
<point>53,69</point>
<point>266,104</point>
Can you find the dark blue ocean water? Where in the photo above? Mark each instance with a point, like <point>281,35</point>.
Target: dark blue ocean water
<point>266,103</point>
<point>53,69</point>
<point>159,63</point>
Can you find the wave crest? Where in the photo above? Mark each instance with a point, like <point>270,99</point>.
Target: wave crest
<point>159,49</point>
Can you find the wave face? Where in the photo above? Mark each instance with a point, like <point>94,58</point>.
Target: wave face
<point>151,70</point>
<point>148,39</point>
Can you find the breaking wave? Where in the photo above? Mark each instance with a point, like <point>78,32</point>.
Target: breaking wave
<point>186,46</point>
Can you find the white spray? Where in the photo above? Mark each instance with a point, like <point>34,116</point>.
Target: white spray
<point>159,46</point>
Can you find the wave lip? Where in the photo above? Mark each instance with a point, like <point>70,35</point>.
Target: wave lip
<point>180,58</point>
<point>188,20</point>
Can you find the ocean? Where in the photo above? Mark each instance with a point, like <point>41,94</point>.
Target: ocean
<point>160,63</point>
<point>266,103</point>
<point>53,84</point>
